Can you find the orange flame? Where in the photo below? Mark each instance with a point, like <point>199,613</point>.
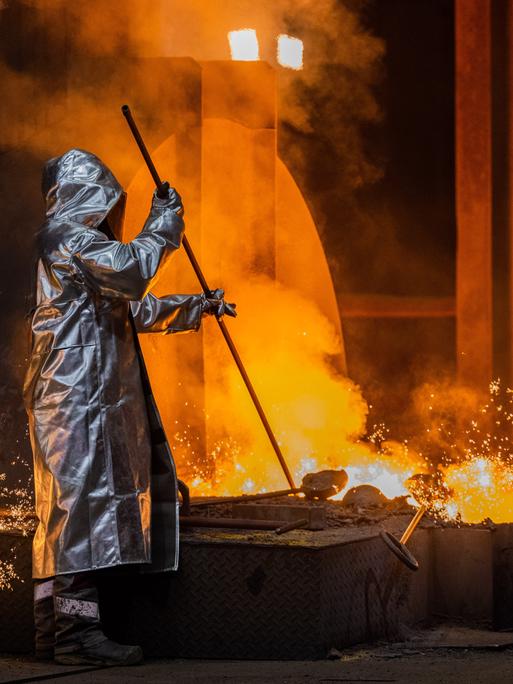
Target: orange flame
<point>483,488</point>
<point>318,414</point>
<point>473,439</point>
<point>290,348</point>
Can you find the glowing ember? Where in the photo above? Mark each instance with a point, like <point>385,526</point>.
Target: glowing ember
<point>244,45</point>
<point>16,515</point>
<point>16,508</point>
<point>482,489</point>
<point>320,420</point>
<point>8,575</point>
<point>387,468</point>
<point>290,52</point>
<point>474,473</point>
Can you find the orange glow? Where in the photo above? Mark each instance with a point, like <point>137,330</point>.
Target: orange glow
<point>287,332</point>
<point>244,45</point>
<point>290,52</point>
<point>318,415</point>
<point>483,488</point>
<point>254,236</point>
<point>16,516</point>
<point>472,434</point>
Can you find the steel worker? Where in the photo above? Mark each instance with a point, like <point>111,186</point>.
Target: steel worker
<point>94,426</point>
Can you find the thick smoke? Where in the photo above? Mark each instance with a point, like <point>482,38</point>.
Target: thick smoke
<point>332,31</point>
<point>59,75</point>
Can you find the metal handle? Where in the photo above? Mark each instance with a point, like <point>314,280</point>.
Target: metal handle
<point>413,524</point>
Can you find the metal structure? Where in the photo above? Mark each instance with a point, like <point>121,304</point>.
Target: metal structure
<point>265,597</point>
<point>260,595</point>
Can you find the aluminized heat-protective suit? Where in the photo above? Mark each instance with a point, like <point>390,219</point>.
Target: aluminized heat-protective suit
<point>106,488</point>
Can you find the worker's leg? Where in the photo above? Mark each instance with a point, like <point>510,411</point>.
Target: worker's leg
<point>79,638</point>
<point>44,619</point>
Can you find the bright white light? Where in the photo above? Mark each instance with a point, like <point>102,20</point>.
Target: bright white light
<point>244,45</point>
<point>290,52</point>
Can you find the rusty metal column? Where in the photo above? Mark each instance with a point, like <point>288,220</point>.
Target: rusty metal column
<point>509,166</point>
<point>474,191</point>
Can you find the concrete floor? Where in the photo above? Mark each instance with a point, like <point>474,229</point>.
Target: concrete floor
<point>397,663</point>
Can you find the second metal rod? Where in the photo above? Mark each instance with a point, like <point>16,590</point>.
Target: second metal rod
<point>413,524</point>
<point>224,330</point>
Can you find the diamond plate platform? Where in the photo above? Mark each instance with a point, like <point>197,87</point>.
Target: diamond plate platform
<point>250,596</point>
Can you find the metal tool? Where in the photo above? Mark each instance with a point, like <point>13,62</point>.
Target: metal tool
<point>294,525</point>
<point>398,546</point>
<point>242,498</point>
<point>321,486</point>
<point>162,192</point>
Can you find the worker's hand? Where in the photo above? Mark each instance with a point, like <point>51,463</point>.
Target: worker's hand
<point>214,305</point>
<point>166,196</point>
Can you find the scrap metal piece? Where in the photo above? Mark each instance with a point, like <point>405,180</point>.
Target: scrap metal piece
<point>324,484</point>
<point>365,496</point>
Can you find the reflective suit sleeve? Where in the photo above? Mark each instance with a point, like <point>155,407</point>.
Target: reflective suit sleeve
<point>128,271</point>
<point>171,314</point>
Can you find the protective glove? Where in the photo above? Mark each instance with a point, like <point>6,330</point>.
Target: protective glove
<point>166,196</point>
<point>214,305</point>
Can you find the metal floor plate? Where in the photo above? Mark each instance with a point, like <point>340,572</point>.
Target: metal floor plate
<point>239,595</point>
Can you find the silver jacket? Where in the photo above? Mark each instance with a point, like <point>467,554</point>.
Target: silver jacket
<point>106,488</point>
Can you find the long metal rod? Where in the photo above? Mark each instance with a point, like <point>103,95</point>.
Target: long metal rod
<point>243,498</point>
<point>413,524</point>
<point>203,282</point>
<point>294,525</point>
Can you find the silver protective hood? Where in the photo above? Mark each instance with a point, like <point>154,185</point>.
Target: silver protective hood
<point>79,188</point>
<point>105,482</point>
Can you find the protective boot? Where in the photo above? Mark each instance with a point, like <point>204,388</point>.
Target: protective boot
<point>44,618</point>
<point>79,639</point>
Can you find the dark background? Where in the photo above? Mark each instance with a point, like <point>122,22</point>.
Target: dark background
<point>397,235</point>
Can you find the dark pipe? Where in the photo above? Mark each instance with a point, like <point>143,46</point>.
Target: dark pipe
<point>162,188</point>
<point>186,498</point>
